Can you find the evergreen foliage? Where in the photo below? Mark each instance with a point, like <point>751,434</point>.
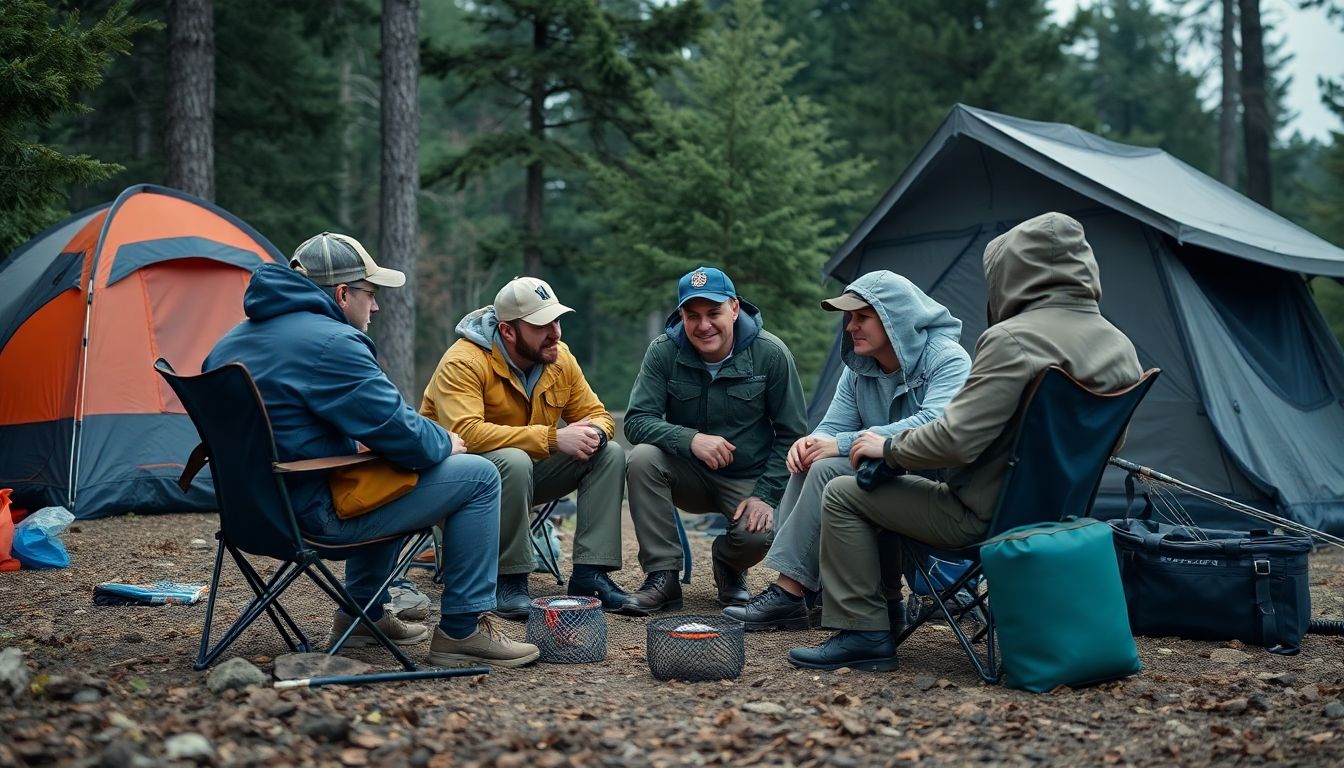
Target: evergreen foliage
<point>738,177</point>
<point>46,70</point>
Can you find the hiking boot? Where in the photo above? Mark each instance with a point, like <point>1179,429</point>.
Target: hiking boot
<point>398,631</point>
<point>594,582</point>
<point>512,599</point>
<point>731,583</point>
<point>407,601</point>
<point>813,602</point>
<point>773,608</point>
<point>867,651</point>
<point>660,592</point>
<point>487,645</point>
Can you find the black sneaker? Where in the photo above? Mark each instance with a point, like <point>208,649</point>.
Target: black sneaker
<point>512,600</point>
<point>771,609</point>
<point>596,583</point>
<point>866,651</point>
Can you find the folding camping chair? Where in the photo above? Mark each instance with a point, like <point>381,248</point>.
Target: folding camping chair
<point>255,515</point>
<point>1064,438</point>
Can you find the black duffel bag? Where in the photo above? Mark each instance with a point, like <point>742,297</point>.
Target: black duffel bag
<point>1207,584</point>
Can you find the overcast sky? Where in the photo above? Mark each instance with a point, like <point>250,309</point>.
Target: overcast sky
<point>1318,48</point>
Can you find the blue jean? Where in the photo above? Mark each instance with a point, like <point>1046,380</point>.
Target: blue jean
<point>461,493</point>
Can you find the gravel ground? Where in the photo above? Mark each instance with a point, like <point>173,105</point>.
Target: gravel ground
<point>114,686</point>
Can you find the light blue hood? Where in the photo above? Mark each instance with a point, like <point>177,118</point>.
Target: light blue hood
<point>933,364</point>
<point>479,327</point>
<point>909,316</point>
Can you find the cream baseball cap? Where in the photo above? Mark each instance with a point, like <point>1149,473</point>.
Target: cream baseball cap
<point>528,299</point>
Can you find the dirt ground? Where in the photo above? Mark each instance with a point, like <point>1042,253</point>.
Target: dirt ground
<point>112,685</point>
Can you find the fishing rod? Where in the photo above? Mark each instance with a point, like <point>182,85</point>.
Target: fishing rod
<point>380,677</point>
<point>1235,506</point>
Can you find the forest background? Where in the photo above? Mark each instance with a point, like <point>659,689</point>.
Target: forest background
<point>609,147</point>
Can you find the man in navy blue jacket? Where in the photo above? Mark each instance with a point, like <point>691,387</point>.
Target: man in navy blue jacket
<point>304,343</point>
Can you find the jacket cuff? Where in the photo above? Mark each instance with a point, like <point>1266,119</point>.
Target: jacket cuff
<point>684,437</point>
<point>552,442</point>
<point>844,441</point>
<point>769,492</point>
<point>889,452</point>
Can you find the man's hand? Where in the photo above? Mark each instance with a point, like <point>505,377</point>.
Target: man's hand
<point>867,445</point>
<point>578,440</point>
<point>760,516</point>
<point>459,446</point>
<point>712,451</point>
<point>807,450</point>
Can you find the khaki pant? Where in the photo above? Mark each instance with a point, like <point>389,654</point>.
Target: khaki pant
<point>851,567</point>
<point>660,483</point>
<point>600,481</point>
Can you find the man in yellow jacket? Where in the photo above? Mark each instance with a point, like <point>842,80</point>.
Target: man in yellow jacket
<point>503,387</point>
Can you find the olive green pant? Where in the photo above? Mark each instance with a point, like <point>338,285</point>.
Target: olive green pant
<point>852,561</point>
<point>523,482</point>
<point>660,483</point>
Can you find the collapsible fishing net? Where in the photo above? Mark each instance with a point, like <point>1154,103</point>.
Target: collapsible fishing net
<point>568,630</point>
<point>695,648</point>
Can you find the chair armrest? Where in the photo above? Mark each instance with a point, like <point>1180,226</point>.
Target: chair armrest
<point>198,458</point>
<point>327,462</point>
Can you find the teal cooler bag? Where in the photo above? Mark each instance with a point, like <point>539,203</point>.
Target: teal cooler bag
<point>1059,606</point>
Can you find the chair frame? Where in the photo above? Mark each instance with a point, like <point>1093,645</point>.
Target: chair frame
<point>308,559</point>
<point>989,667</point>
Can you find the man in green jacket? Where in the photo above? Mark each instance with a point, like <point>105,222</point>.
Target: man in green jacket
<point>1044,291</point>
<point>715,407</point>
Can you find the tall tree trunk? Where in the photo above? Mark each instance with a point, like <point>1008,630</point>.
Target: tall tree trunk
<point>1256,125</point>
<point>400,185</point>
<point>1227,115</point>
<point>533,213</point>
<point>345,183</point>
<point>190,131</point>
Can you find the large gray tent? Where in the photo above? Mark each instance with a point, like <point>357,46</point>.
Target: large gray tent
<point>1206,283</point>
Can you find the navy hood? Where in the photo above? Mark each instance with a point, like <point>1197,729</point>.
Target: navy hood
<point>276,290</point>
<point>745,330</point>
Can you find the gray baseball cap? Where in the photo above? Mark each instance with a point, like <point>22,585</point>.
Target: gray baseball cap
<point>331,259</point>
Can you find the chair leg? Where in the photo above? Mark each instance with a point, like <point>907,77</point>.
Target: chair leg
<point>551,562</point>
<point>255,608</point>
<point>201,655</point>
<point>276,612</point>
<point>946,601</point>
<point>337,593</point>
<point>685,548</point>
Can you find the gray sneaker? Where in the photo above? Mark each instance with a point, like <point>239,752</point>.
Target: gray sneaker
<point>487,645</point>
<point>398,631</point>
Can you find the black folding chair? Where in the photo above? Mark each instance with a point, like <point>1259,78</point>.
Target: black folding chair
<point>1065,435</point>
<point>255,515</point>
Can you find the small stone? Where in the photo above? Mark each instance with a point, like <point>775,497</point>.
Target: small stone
<point>297,666</point>
<point>14,675</point>
<point>1285,679</point>
<point>199,544</point>
<point>324,727</point>
<point>1228,656</point>
<point>188,746</point>
<point>237,674</point>
<point>765,708</point>
<point>925,682</point>
<point>1257,702</point>
<point>1335,709</point>
<point>119,754</point>
<point>1180,729</point>
<point>132,637</point>
<point>1233,706</point>
<point>86,696</point>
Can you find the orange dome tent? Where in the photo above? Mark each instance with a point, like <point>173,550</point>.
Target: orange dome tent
<point>85,309</point>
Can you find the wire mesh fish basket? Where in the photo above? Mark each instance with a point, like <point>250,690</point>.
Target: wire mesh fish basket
<point>695,648</point>
<point>568,630</point>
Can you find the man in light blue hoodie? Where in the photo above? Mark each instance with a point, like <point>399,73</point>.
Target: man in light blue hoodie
<point>903,364</point>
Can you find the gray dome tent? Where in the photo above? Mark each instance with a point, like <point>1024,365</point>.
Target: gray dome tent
<point>1206,283</point>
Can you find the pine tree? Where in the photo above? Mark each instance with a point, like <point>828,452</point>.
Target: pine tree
<point>570,71</point>
<point>45,72</point>
<point>738,176</point>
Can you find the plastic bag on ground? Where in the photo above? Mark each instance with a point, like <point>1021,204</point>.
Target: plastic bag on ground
<point>37,540</point>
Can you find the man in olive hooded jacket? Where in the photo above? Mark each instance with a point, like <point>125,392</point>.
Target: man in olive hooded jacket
<point>1044,290</point>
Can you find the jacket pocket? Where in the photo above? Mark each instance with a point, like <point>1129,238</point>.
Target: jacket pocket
<point>748,390</point>
<point>683,390</point>
<point>553,405</point>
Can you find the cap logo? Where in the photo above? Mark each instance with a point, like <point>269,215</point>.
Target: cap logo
<point>541,291</point>
<point>699,279</point>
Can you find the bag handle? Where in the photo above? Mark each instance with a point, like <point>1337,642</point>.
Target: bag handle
<point>1147,512</point>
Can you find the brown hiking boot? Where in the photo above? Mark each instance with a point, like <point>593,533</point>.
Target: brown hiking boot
<point>487,645</point>
<point>398,631</point>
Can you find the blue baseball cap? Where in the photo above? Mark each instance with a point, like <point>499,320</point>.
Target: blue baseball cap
<point>705,283</point>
